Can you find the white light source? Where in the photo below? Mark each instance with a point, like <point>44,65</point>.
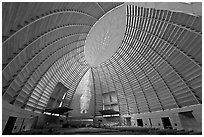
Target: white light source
<point>86,93</point>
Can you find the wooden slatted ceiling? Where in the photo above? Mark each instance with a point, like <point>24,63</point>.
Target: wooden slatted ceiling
<point>158,65</point>
<point>39,48</point>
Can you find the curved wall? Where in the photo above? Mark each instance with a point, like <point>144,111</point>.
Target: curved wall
<point>156,68</point>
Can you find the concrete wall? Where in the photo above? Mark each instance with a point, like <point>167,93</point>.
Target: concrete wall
<point>24,121</point>
<point>173,115</point>
<point>29,119</point>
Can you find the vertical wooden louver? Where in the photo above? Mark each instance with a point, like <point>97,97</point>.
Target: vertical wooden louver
<point>158,64</point>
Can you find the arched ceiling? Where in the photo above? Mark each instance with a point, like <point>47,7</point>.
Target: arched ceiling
<point>43,43</point>
<point>156,65</point>
<point>193,8</point>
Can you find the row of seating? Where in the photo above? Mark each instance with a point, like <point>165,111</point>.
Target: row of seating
<point>110,130</point>
<point>154,131</point>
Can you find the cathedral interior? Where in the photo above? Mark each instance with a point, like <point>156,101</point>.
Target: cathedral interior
<point>123,68</point>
